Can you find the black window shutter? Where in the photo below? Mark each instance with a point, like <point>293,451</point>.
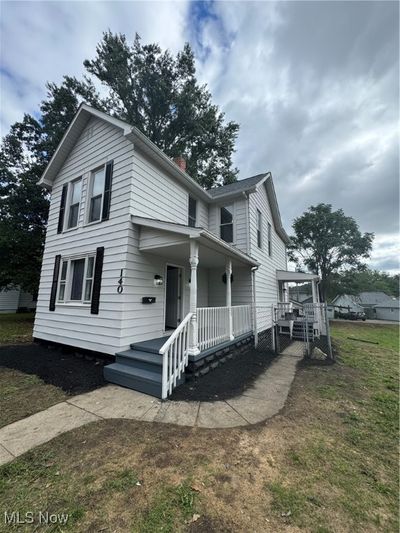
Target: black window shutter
<point>62,209</point>
<point>53,293</point>
<point>98,270</point>
<point>107,190</point>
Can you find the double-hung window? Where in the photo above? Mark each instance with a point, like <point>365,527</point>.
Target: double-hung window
<point>96,193</point>
<point>192,212</point>
<point>259,229</point>
<point>226,223</point>
<point>74,201</point>
<point>269,240</point>
<point>76,280</point>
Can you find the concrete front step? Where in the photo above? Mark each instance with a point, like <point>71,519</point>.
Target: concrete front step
<point>134,378</point>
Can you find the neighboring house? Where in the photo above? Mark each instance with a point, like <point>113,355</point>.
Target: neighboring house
<point>369,299</point>
<point>388,311</point>
<point>13,300</point>
<point>347,303</point>
<point>137,253</point>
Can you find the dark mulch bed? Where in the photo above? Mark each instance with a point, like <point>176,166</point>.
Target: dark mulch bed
<point>64,370</point>
<point>228,380</point>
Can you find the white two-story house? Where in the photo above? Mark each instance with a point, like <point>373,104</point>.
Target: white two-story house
<point>142,262</point>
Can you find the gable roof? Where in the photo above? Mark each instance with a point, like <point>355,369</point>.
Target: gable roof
<point>131,133</point>
<point>237,186</point>
<point>373,298</point>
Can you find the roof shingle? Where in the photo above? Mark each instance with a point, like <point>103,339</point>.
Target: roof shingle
<point>237,186</point>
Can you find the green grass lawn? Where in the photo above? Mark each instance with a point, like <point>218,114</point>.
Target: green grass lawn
<point>21,394</point>
<point>327,463</point>
<point>16,327</point>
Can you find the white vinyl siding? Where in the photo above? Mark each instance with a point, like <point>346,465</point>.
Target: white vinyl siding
<point>99,143</point>
<point>9,301</point>
<point>266,283</point>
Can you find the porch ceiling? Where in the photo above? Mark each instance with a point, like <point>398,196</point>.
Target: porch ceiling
<point>172,241</point>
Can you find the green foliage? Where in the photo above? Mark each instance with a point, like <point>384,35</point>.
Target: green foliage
<point>327,241</point>
<point>159,94</point>
<point>355,281</point>
<point>145,86</point>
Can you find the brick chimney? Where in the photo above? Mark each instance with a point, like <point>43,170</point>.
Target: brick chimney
<point>181,162</point>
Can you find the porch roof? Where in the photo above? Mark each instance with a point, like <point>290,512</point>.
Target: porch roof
<point>295,277</point>
<point>172,240</point>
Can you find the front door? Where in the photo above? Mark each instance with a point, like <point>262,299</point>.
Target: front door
<point>173,298</point>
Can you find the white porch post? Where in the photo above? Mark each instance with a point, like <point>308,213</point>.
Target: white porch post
<point>253,285</point>
<point>228,272</point>
<point>314,291</point>
<point>194,261</point>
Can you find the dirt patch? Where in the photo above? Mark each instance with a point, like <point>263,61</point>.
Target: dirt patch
<point>65,371</point>
<point>228,380</point>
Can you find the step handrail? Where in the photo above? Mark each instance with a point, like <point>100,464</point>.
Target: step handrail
<point>175,356</point>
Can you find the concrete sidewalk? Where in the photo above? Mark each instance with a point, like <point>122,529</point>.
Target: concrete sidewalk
<point>264,399</point>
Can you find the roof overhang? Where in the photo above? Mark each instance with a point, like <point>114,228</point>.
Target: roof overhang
<point>175,233</point>
<point>295,277</point>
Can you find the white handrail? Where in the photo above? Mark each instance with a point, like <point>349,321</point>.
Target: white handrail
<point>175,356</point>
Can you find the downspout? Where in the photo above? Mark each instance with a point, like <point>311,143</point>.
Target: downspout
<point>247,196</point>
<point>253,281</point>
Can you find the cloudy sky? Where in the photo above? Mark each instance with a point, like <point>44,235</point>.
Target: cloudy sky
<point>313,85</point>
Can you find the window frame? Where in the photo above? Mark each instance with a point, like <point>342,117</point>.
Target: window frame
<point>232,205</point>
<point>259,229</point>
<point>67,213</point>
<point>90,194</point>
<point>190,218</point>
<point>67,282</point>
<point>269,240</point>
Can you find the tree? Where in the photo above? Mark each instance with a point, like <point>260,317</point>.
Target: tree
<point>159,94</point>
<point>355,281</point>
<point>149,88</point>
<point>327,242</point>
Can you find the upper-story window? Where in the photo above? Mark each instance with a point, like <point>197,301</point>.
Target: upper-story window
<point>269,239</point>
<point>192,212</point>
<point>96,194</point>
<point>259,229</point>
<point>226,225</point>
<point>74,201</point>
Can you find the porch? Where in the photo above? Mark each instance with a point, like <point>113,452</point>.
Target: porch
<point>299,321</point>
<point>205,308</point>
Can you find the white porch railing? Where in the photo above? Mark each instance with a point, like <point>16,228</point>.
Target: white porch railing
<point>213,324</point>
<point>242,319</point>
<point>282,308</point>
<point>175,356</point>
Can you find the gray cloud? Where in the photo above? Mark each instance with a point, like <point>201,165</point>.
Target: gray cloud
<point>314,86</point>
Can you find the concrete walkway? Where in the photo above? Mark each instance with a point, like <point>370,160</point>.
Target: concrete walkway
<point>261,401</point>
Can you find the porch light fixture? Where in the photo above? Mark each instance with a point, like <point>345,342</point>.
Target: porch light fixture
<point>158,280</point>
